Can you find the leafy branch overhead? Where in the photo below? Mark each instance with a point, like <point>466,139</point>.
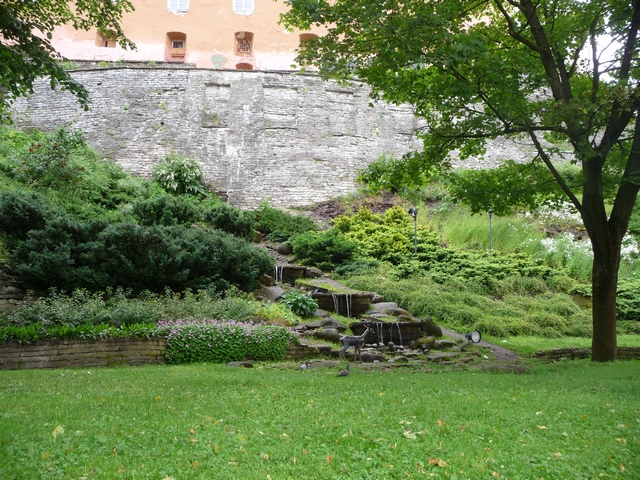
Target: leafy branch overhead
<point>559,76</point>
<point>26,52</point>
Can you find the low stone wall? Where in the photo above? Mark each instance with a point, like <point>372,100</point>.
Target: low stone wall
<point>301,351</point>
<point>107,353</point>
<point>571,353</point>
<point>82,353</point>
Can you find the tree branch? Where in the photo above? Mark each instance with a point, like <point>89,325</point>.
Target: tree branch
<point>547,161</point>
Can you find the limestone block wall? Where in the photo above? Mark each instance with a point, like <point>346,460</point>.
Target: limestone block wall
<point>571,353</point>
<point>106,353</point>
<point>82,353</point>
<point>291,139</point>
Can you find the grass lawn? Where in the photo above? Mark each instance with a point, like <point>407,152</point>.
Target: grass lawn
<point>574,420</point>
<point>528,345</point>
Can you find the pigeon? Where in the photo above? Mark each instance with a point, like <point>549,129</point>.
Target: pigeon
<point>304,365</point>
<point>345,372</point>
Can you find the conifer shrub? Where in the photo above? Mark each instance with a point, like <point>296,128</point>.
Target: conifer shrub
<point>324,250</point>
<point>230,219</point>
<point>166,210</point>
<point>277,225</point>
<point>22,211</point>
<point>70,254</point>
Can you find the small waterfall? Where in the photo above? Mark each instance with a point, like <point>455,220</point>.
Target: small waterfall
<point>399,333</point>
<point>278,273</point>
<point>380,332</point>
<point>337,304</point>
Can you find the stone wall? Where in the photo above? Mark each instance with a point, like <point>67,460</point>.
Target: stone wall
<point>82,353</point>
<point>107,353</point>
<point>288,138</point>
<point>11,293</point>
<point>571,353</point>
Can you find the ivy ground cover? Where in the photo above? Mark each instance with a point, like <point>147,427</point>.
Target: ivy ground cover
<point>576,420</point>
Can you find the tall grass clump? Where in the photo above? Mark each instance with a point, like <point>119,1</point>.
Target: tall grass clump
<point>514,306</point>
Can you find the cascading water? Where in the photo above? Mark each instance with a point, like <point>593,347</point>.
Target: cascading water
<point>338,300</point>
<point>278,273</point>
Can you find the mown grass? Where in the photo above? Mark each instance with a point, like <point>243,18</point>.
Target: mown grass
<point>575,420</point>
<point>525,345</point>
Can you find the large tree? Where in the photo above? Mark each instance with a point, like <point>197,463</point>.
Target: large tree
<point>26,53</point>
<point>553,73</point>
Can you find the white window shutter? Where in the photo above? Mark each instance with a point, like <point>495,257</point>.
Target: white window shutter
<point>172,5</point>
<point>243,6</point>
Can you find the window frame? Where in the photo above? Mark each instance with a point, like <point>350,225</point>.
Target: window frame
<point>178,6</point>
<point>244,7</point>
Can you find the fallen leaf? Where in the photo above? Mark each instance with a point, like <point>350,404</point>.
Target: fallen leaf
<point>410,435</point>
<point>114,451</point>
<point>329,459</point>
<point>621,468</point>
<point>542,427</point>
<point>495,474</point>
<point>305,451</point>
<point>192,431</point>
<point>216,449</point>
<point>285,435</point>
<point>440,423</point>
<point>158,397</point>
<point>265,456</point>
<point>193,440</point>
<point>621,440</point>
<point>59,430</point>
<point>46,455</point>
<point>558,455</point>
<point>195,464</point>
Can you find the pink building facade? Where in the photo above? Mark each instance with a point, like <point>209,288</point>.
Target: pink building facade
<point>228,34</point>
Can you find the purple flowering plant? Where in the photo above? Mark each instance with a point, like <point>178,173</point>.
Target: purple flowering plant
<point>219,341</point>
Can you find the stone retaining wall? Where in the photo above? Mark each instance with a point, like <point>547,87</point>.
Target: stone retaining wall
<point>82,353</point>
<point>107,353</point>
<point>132,351</point>
<point>289,138</point>
<point>571,353</point>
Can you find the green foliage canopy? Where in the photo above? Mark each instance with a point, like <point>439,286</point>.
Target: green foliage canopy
<point>26,53</point>
<point>559,75</point>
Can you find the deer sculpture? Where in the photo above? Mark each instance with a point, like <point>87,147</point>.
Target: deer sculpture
<point>356,341</point>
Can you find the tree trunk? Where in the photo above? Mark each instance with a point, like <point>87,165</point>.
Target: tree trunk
<point>606,240</point>
<point>604,286</point>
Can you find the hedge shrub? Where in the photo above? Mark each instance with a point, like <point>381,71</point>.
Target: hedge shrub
<point>70,254</point>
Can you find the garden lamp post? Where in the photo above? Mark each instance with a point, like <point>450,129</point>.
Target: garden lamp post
<point>414,212</point>
<point>490,231</point>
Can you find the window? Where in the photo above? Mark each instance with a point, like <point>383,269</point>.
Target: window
<point>178,5</point>
<point>175,47</point>
<point>103,40</point>
<point>244,7</point>
<point>244,43</point>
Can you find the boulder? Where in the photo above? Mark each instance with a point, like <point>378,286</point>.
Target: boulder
<point>330,334</point>
<point>313,272</point>
<point>284,249</point>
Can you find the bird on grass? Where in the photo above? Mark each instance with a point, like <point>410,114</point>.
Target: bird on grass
<point>345,372</point>
<point>304,365</point>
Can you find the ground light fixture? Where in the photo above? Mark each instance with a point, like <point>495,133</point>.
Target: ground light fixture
<point>413,211</point>
<point>474,336</point>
